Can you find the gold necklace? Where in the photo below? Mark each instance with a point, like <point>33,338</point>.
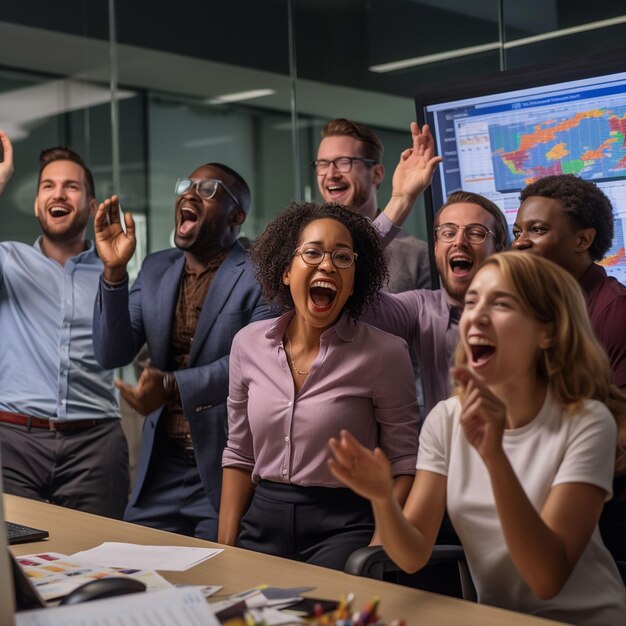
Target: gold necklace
<point>290,355</point>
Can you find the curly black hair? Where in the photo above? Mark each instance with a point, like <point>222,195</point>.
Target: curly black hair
<point>272,253</point>
<point>583,202</point>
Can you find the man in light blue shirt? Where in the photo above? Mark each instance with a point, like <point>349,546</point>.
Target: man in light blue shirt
<point>60,429</point>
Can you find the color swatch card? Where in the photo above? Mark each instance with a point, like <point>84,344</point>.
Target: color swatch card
<point>55,575</point>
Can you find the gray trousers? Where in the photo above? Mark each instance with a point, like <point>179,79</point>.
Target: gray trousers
<point>85,469</point>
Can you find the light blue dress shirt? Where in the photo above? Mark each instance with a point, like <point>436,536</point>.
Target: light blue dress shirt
<point>47,363</point>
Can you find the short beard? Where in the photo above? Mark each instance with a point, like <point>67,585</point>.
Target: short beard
<point>455,293</point>
<point>78,226</point>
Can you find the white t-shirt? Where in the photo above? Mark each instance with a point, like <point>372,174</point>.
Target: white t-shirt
<point>554,448</point>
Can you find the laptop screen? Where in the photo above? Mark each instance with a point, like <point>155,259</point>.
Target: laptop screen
<point>16,590</point>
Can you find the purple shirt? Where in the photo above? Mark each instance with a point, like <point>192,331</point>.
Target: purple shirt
<point>606,305</point>
<point>361,380</point>
<point>423,318</point>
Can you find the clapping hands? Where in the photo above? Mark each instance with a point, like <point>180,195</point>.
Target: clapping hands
<point>366,472</point>
<point>148,394</point>
<point>115,247</point>
<point>483,414</point>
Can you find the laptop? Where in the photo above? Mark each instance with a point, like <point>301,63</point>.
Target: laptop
<point>16,590</point>
<point>19,533</point>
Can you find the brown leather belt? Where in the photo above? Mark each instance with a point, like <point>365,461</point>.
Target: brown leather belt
<point>38,422</point>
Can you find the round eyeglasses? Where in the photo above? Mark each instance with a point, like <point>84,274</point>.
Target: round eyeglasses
<point>473,233</point>
<point>342,258</point>
<point>205,188</point>
<point>342,164</point>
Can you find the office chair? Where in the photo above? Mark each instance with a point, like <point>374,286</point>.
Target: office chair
<point>373,562</point>
<point>446,572</point>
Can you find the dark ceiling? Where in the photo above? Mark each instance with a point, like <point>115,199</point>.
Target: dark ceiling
<point>336,40</point>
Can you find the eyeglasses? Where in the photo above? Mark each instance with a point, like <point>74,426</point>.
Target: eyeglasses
<point>205,188</point>
<point>342,258</point>
<point>473,233</point>
<point>342,164</point>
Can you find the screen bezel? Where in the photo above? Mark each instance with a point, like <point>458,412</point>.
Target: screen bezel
<point>537,76</point>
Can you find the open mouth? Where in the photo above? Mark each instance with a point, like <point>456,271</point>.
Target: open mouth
<point>322,294</point>
<point>188,219</point>
<point>59,211</point>
<point>336,190</point>
<point>461,265</point>
<point>481,350</point>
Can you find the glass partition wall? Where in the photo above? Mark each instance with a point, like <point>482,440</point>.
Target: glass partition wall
<point>148,92</point>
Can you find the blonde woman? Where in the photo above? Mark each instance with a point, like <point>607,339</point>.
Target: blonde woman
<point>523,456</point>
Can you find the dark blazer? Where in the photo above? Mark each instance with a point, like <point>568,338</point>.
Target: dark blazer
<point>124,321</point>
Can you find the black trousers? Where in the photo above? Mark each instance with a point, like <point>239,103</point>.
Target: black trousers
<point>318,525</point>
<point>83,469</point>
<point>173,498</point>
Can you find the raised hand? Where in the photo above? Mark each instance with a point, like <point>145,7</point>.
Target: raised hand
<point>417,165</point>
<point>148,394</point>
<point>483,415</point>
<point>6,166</point>
<point>365,472</point>
<point>115,247</point>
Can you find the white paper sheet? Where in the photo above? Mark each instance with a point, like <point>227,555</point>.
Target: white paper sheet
<point>174,607</point>
<point>168,558</point>
<point>273,617</point>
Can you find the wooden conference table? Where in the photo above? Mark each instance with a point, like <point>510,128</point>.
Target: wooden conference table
<point>237,569</point>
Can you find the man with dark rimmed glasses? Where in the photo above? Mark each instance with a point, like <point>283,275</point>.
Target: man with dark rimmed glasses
<point>187,304</point>
<point>349,171</point>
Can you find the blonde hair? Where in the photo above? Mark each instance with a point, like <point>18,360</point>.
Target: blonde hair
<point>575,366</point>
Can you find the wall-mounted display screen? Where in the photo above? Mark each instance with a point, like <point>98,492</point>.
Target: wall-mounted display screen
<point>499,135</point>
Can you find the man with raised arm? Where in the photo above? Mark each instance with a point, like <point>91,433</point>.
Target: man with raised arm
<point>60,429</point>
<point>187,304</point>
<point>468,228</point>
<point>349,172</point>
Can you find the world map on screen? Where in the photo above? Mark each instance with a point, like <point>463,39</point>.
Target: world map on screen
<point>590,144</point>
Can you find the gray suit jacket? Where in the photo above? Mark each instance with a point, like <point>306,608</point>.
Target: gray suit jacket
<point>408,264</point>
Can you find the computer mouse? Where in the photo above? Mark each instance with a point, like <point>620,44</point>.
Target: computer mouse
<point>103,588</point>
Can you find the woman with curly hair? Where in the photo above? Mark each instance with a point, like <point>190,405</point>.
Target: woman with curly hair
<point>297,380</point>
<point>523,456</point>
